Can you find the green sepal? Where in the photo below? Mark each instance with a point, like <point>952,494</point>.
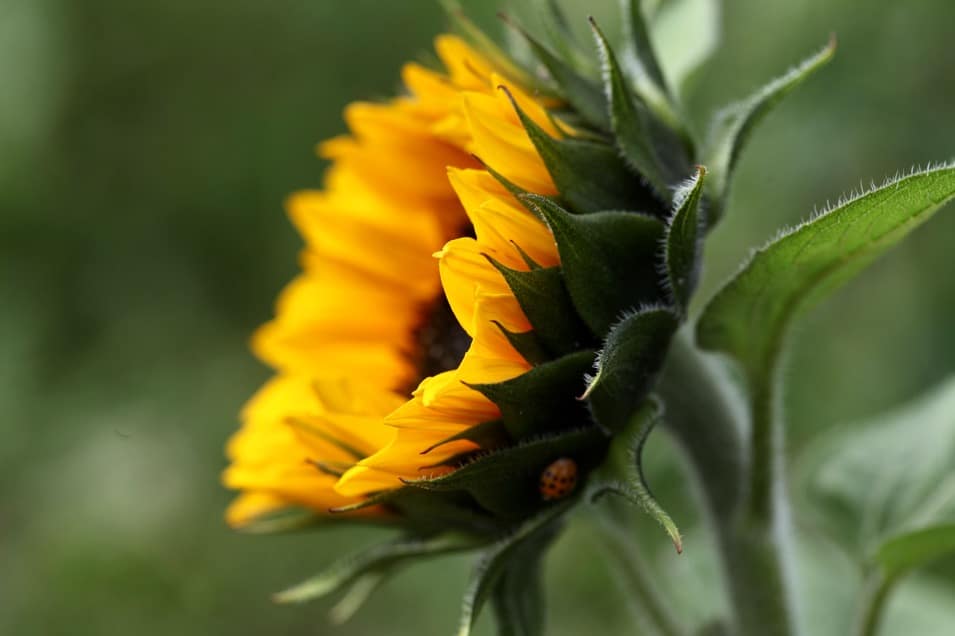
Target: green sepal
<point>520,549</point>
<point>628,365</point>
<point>544,298</point>
<point>684,240</point>
<point>648,145</point>
<point>589,175</point>
<point>609,259</point>
<point>526,343</point>
<point>749,317</point>
<point>622,470</point>
<point>543,399</point>
<point>506,482</point>
<point>488,435</point>
<point>427,513</point>
<point>378,557</point>
<point>584,95</point>
<point>732,125</point>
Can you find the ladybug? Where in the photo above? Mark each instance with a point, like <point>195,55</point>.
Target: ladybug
<point>558,479</point>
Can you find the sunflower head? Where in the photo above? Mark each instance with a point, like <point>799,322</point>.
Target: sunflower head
<point>492,276</point>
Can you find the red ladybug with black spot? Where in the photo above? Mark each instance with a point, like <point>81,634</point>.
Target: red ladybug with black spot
<point>559,479</point>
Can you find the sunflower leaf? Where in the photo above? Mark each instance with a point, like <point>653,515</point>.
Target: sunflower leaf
<point>542,400</point>
<point>543,297</point>
<point>379,557</point>
<point>589,175</point>
<point>507,558</point>
<point>749,318</point>
<point>604,251</point>
<point>628,365</point>
<point>648,145</point>
<point>622,470</point>
<point>583,94</point>
<point>885,488</point>
<point>684,240</point>
<point>731,126</point>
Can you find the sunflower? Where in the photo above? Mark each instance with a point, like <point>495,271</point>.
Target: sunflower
<point>400,287</point>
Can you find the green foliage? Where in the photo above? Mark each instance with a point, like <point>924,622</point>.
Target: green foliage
<point>542,399</point>
<point>512,563</point>
<point>684,240</point>
<point>622,472</point>
<point>544,299</point>
<point>589,175</point>
<point>376,559</point>
<point>732,126</point>
<point>628,364</point>
<point>748,318</point>
<point>604,251</point>
<point>885,488</point>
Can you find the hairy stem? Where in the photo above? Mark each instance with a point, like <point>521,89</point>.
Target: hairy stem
<point>741,483</point>
<point>648,604</point>
<point>872,610</point>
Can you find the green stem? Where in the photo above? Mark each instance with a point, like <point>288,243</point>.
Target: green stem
<point>647,603</point>
<point>742,485</point>
<point>873,605</point>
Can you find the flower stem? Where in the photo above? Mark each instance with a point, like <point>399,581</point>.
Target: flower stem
<point>741,483</point>
<point>648,605</point>
<point>873,604</point>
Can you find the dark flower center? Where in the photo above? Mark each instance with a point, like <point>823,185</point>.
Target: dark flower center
<point>441,342</point>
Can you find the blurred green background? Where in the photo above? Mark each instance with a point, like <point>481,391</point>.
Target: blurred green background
<point>145,151</point>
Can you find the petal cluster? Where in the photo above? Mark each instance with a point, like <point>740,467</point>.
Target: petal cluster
<point>407,216</point>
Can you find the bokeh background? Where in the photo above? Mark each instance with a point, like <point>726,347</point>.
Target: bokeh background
<point>145,151</point>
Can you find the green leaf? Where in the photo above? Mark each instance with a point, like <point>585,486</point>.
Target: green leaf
<point>749,317</point>
<point>909,551</point>
<point>886,489</point>
<point>648,145</point>
<point>384,555</point>
<point>506,557</point>
<point>545,301</point>
<point>731,127</point>
<point>685,33</point>
<point>589,175</point>
<point>628,365</point>
<point>583,94</point>
<point>684,240</point>
<point>543,399</point>
<point>609,259</point>
<point>622,471</point>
